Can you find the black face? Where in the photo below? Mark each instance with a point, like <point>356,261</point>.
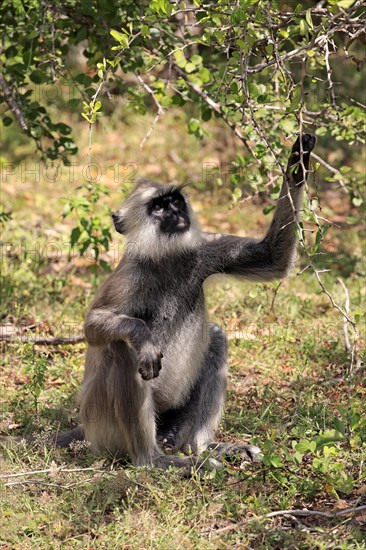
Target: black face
<point>170,211</point>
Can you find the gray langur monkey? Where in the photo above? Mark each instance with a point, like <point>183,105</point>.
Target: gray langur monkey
<point>156,369</point>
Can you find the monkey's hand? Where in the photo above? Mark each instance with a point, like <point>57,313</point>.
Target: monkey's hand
<point>149,359</point>
<point>298,162</point>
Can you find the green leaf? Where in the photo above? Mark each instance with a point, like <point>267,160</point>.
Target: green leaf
<point>205,75</point>
<point>206,112</point>
<point>38,77</point>
<point>269,49</point>
<point>345,485</point>
<point>36,131</point>
<point>303,446</point>
<point>84,247</point>
<point>354,420</point>
<point>105,265</point>
<point>238,16</point>
<point>303,27</point>
<point>117,35</point>
<point>329,436</point>
<point>309,19</point>
<point>345,4</point>
<point>180,59</point>
<point>190,67</point>
<point>64,129</point>
<point>120,37</point>
<point>83,79</point>
<point>237,193</point>
<point>75,234</point>
<point>357,201</point>
<point>193,124</point>
<point>243,45</point>
<point>276,461</point>
<point>339,425</point>
<point>298,457</point>
<point>312,446</point>
<point>268,208</point>
<point>254,89</point>
<point>321,131</point>
<point>196,59</point>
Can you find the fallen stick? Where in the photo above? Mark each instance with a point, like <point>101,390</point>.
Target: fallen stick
<point>58,341</point>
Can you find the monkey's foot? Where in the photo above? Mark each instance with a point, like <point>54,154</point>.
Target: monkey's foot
<point>188,465</point>
<point>66,439</point>
<point>235,452</point>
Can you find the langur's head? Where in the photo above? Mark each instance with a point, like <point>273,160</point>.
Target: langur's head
<point>157,220</point>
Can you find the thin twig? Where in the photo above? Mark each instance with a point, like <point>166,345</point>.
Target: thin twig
<point>158,106</point>
<point>309,513</point>
<point>334,304</point>
<point>290,513</point>
<point>275,295</point>
<point>52,470</point>
<point>329,75</point>
<point>331,169</point>
<point>58,341</point>
<point>315,41</point>
<point>37,482</point>
<point>345,324</point>
<point>310,259</point>
<point>215,107</point>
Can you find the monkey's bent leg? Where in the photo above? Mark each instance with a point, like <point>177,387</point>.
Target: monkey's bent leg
<point>118,415</point>
<point>193,425</point>
<point>116,407</point>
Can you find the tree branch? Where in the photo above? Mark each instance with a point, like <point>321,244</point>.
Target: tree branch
<point>58,341</point>
<point>160,109</point>
<point>215,107</point>
<point>14,107</point>
<point>292,513</point>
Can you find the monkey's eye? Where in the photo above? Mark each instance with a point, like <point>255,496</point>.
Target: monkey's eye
<point>177,202</point>
<point>157,207</point>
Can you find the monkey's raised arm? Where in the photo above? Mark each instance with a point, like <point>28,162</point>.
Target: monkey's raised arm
<point>271,257</point>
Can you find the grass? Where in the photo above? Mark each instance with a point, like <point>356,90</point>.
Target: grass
<point>290,389</point>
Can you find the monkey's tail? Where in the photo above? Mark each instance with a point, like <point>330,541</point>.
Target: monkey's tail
<point>64,439</point>
<point>60,439</point>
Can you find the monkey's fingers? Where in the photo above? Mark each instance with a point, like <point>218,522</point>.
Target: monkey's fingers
<point>150,369</point>
<point>308,144</point>
<point>156,368</point>
<point>147,372</point>
<point>300,158</point>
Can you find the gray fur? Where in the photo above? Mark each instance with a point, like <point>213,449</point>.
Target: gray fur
<point>155,368</point>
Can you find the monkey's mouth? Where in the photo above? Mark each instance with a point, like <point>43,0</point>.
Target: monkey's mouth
<point>178,225</point>
<point>182,225</point>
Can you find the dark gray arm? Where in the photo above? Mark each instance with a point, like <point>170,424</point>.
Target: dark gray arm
<point>271,257</point>
<point>103,327</point>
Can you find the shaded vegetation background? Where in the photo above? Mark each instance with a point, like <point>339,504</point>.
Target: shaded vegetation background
<point>177,88</point>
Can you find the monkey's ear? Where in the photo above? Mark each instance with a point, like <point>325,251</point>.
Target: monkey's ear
<point>118,221</point>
